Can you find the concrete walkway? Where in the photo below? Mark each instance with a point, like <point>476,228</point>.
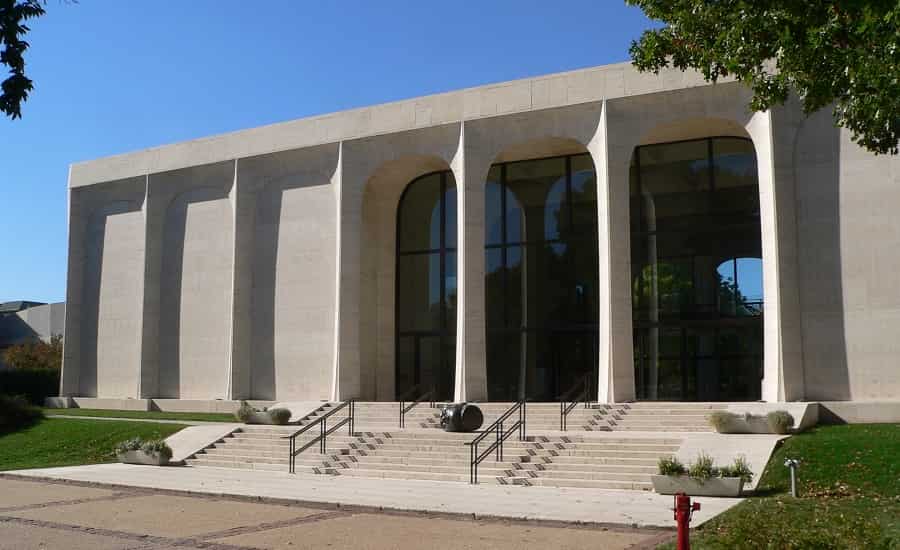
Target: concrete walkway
<point>69,516</point>
<point>591,506</point>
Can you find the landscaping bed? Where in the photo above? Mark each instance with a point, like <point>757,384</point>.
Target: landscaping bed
<point>151,415</point>
<point>68,442</point>
<point>849,495</point>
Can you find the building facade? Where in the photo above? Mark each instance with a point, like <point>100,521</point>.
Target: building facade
<point>647,232</point>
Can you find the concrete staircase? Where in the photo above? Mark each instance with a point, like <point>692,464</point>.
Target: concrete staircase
<point>605,447</point>
<point>648,416</point>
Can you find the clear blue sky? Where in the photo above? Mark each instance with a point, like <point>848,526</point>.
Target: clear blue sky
<point>117,75</point>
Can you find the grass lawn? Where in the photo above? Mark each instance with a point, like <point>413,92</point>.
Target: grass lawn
<point>849,495</point>
<point>153,415</point>
<point>68,442</point>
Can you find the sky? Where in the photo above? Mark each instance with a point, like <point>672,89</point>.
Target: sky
<point>113,76</point>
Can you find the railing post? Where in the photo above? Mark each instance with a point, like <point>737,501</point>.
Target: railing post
<point>523,418</point>
<point>352,416</point>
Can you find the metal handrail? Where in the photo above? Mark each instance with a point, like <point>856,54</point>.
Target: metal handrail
<point>567,402</point>
<point>429,395</point>
<point>324,432</point>
<point>501,435</point>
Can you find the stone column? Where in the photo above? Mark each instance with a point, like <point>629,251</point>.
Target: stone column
<point>348,185</point>
<point>470,170</point>
<point>783,378</point>
<point>155,203</point>
<point>71,363</point>
<point>611,154</point>
<point>243,201</point>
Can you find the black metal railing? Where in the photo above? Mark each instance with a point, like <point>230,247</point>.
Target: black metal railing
<point>500,435</point>
<point>324,432</point>
<point>570,399</point>
<point>404,408</point>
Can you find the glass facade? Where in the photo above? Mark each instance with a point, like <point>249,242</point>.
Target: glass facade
<point>541,276</point>
<point>696,271</point>
<point>426,286</point>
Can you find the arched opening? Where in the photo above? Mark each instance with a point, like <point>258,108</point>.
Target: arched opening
<point>696,252</point>
<point>541,276</point>
<point>426,287</point>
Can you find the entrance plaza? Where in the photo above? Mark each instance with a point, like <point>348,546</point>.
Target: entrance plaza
<point>643,235</point>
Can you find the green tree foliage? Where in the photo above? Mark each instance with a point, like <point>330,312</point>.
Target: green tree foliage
<point>13,15</point>
<point>35,355</point>
<point>840,52</point>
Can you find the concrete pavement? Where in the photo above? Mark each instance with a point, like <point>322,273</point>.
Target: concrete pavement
<point>71,516</point>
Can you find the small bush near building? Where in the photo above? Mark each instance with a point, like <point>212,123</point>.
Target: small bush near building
<point>244,412</point>
<point>671,467</point>
<point>279,416</point>
<point>17,413</point>
<point>34,384</point>
<point>722,421</point>
<point>35,355</point>
<point>780,422</point>
<point>703,468</point>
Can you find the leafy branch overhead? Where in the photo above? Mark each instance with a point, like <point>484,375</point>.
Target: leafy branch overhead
<point>15,88</point>
<point>844,53</point>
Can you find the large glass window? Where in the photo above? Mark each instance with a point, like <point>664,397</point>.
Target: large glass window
<point>541,276</point>
<point>426,286</point>
<point>696,270</point>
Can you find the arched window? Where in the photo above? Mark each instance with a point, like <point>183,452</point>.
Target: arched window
<point>426,287</point>
<point>541,276</point>
<point>696,271</point>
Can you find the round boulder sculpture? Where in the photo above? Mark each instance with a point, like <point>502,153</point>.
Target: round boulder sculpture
<point>461,417</point>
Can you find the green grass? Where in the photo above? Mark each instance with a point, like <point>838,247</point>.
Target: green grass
<point>69,442</point>
<point>152,415</point>
<point>849,495</point>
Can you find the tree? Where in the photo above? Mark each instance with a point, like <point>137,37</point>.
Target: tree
<point>14,90</point>
<point>840,52</point>
<point>35,355</point>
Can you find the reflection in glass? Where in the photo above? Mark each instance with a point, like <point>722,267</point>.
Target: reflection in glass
<point>697,270</point>
<point>426,286</point>
<point>541,275</point>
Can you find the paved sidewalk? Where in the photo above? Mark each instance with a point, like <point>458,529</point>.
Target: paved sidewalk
<point>68,516</point>
<point>593,506</point>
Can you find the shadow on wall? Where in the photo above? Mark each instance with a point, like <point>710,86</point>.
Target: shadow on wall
<point>192,346</point>
<point>282,250</point>
<point>96,239</point>
<point>817,153</point>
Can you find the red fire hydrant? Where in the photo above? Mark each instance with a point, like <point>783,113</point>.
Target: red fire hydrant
<point>683,512</point>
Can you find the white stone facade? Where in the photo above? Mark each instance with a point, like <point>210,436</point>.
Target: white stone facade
<point>260,264</point>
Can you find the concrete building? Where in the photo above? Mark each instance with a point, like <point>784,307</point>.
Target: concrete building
<point>499,242</point>
<point>24,321</point>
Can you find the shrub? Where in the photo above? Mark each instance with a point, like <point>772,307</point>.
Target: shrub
<point>133,444</point>
<point>35,355</point>
<point>671,467</point>
<point>17,413</point>
<point>244,412</point>
<point>740,468</point>
<point>722,421</point>
<point>279,416</point>
<point>34,384</point>
<point>157,446</point>
<point>703,468</point>
<point>780,422</point>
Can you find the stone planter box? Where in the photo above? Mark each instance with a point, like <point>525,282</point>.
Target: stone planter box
<point>140,457</point>
<point>744,425</point>
<point>715,487</point>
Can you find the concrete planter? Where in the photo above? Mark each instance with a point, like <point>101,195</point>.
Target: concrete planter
<point>715,487</point>
<point>140,457</point>
<point>747,425</point>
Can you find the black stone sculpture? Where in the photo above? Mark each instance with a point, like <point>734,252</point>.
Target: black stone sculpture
<point>461,417</point>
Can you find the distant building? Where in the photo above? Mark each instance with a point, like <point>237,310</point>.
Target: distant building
<point>25,321</point>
